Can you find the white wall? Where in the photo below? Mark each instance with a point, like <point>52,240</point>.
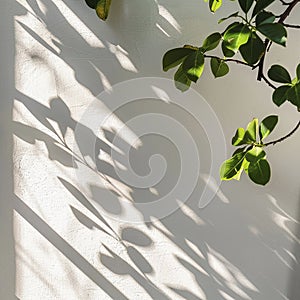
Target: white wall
<point>70,237</point>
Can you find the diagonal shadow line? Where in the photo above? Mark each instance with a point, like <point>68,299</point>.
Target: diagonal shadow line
<point>67,250</point>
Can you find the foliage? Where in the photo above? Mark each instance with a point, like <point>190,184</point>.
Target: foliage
<point>253,30</point>
<point>101,7</point>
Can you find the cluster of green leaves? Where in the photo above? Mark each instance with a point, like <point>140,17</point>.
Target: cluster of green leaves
<point>251,157</point>
<point>245,37</point>
<point>250,37</point>
<point>101,7</point>
<point>290,90</point>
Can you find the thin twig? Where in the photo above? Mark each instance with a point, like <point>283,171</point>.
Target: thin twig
<point>267,81</point>
<point>291,26</point>
<point>284,137</point>
<point>286,13</point>
<point>282,17</point>
<point>229,60</point>
<point>260,73</point>
<point>284,3</point>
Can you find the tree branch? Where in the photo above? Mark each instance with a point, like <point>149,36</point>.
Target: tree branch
<point>284,137</point>
<point>291,26</point>
<point>286,13</point>
<point>282,17</point>
<point>229,60</point>
<point>267,81</point>
<point>285,3</point>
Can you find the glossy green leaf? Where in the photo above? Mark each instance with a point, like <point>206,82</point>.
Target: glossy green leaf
<point>274,32</point>
<point>264,17</point>
<point>102,9</point>
<point>174,57</point>
<point>280,95</point>
<point>253,49</point>
<point>92,3</point>
<point>238,138</point>
<point>298,72</point>
<point>182,82</point>
<point>193,65</point>
<point>245,5</point>
<point>232,166</point>
<point>227,52</point>
<point>211,42</point>
<point>260,172</point>
<point>234,15</point>
<point>255,154</point>
<point>236,35</point>
<point>261,5</point>
<point>267,125</point>
<point>239,150</point>
<point>279,74</point>
<point>294,95</point>
<point>245,165</point>
<point>218,67</point>
<point>214,5</point>
<point>251,132</point>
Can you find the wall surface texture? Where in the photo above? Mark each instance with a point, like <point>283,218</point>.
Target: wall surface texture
<point>108,174</point>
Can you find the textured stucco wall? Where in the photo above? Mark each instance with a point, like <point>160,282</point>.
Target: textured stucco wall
<point>70,237</point>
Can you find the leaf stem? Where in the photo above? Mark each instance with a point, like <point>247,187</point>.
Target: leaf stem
<point>282,17</point>
<point>291,26</point>
<point>229,60</point>
<point>267,81</point>
<point>284,137</point>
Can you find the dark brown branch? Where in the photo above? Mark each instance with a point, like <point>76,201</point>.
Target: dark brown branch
<point>229,60</point>
<point>267,81</point>
<point>283,16</point>
<point>291,26</point>
<point>284,3</point>
<point>284,137</point>
<point>260,73</point>
<point>286,13</point>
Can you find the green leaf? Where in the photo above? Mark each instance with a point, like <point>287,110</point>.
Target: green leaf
<point>245,165</point>
<point>245,5</point>
<point>261,5</point>
<point>267,125</point>
<point>218,67</point>
<point>238,138</point>
<point>174,57</point>
<point>279,74</point>
<point>251,132</point>
<point>227,52</point>
<point>274,31</point>
<point>253,49</point>
<point>298,72</point>
<point>294,95</point>
<point>236,35</point>
<point>260,172</point>
<point>102,9</point>
<point>239,150</point>
<point>211,42</point>
<point>92,3</point>
<point>280,95</point>
<point>193,65</point>
<point>264,17</point>
<point>182,82</point>
<point>255,154</point>
<point>232,166</point>
<point>230,16</point>
<point>214,5</point>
